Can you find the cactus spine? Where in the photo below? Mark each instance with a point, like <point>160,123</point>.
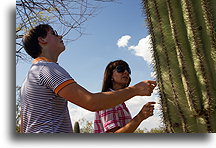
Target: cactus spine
<point>76,127</point>
<point>184,48</point>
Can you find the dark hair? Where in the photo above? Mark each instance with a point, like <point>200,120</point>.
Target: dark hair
<point>107,81</point>
<point>30,39</point>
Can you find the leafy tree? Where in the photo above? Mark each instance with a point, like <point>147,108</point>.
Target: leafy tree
<point>153,130</point>
<point>139,130</point>
<point>86,126</point>
<point>157,130</point>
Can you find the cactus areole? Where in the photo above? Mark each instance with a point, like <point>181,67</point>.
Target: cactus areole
<point>183,35</point>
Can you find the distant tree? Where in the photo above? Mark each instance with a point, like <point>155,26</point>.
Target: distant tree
<point>157,130</point>
<point>86,126</point>
<point>153,130</point>
<point>18,109</point>
<point>139,130</point>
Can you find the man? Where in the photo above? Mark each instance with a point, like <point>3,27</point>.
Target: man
<point>48,87</point>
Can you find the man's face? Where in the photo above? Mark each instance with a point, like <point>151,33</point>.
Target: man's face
<point>54,42</point>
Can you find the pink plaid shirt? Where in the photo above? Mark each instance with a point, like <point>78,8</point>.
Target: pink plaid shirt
<point>117,116</point>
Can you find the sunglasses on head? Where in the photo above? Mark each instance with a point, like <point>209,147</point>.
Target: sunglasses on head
<point>122,68</point>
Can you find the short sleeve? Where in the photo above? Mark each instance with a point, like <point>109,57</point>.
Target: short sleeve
<point>109,118</point>
<point>54,77</point>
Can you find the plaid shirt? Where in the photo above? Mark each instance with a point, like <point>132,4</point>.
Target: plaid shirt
<point>117,116</point>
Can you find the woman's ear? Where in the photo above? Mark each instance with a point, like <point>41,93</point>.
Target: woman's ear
<point>42,40</point>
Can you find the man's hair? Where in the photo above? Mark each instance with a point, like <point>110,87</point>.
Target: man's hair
<point>30,39</point>
<point>107,81</point>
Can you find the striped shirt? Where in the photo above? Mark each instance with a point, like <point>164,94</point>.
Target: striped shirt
<point>108,119</point>
<point>42,110</point>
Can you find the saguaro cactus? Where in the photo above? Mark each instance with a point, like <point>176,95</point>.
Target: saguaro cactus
<point>183,35</point>
<point>76,127</point>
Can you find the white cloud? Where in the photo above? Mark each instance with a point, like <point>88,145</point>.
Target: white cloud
<point>152,122</point>
<point>77,113</point>
<point>123,41</point>
<point>153,74</point>
<point>143,49</point>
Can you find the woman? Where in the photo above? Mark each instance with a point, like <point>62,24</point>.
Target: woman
<point>118,119</point>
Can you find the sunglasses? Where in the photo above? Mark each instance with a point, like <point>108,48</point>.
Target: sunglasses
<point>122,68</point>
<point>54,32</point>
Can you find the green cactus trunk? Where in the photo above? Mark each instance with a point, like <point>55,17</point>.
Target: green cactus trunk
<point>184,48</point>
<point>76,127</point>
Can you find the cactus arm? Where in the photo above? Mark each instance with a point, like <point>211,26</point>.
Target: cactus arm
<point>209,14</point>
<point>157,66</point>
<point>212,11</point>
<point>169,54</point>
<point>188,74</point>
<point>166,53</point>
<point>184,56</point>
<point>76,127</point>
<point>199,58</point>
<point>209,41</point>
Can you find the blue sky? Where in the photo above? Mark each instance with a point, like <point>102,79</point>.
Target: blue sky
<point>118,31</point>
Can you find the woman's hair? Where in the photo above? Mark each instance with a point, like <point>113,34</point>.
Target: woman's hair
<point>30,39</point>
<point>107,81</point>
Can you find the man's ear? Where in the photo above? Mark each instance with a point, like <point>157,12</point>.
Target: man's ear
<point>42,40</point>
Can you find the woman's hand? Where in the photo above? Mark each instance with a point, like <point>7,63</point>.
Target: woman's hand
<point>145,88</point>
<point>146,111</point>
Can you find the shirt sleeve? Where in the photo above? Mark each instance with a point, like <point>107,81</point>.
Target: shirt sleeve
<point>109,118</point>
<point>54,77</point>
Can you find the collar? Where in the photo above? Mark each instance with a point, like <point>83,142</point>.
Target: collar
<point>41,59</point>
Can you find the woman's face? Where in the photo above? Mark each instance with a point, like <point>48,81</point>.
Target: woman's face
<point>120,77</point>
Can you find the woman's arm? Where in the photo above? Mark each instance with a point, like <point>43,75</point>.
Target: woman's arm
<point>144,113</point>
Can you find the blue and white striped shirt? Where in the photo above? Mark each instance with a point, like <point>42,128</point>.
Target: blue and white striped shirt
<point>42,110</point>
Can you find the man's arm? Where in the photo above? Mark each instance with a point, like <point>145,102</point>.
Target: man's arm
<point>21,124</point>
<point>104,100</point>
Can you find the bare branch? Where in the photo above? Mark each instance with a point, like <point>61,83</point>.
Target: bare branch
<point>65,14</point>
